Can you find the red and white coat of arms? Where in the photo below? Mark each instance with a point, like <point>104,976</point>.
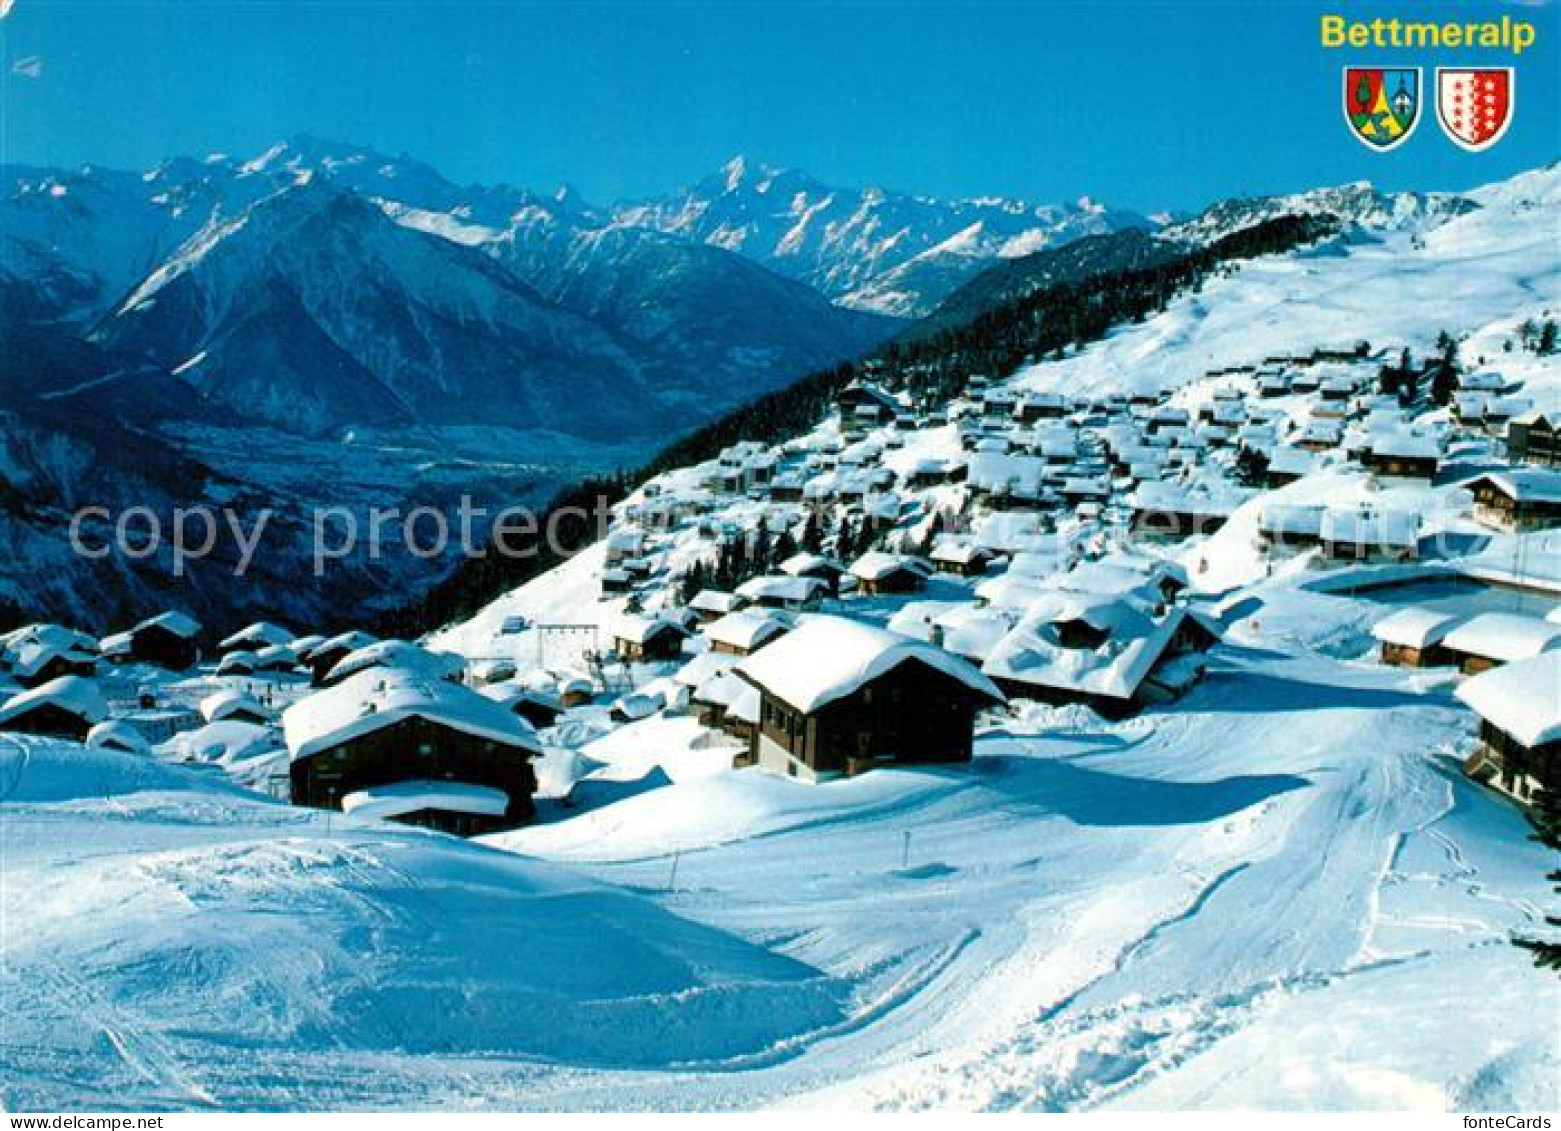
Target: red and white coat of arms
<point>1474,106</point>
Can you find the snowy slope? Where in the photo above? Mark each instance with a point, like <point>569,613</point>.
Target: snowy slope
<point>1497,263</point>
<point>189,945</point>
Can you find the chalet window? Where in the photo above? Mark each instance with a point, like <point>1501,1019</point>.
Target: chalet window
<point>425,749</point>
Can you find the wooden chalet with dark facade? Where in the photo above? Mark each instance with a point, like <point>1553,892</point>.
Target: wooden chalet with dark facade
<point>863,403</point>
<point>1518,500</point>
<point>644,640</point>
<point>1535,438</point>
<point>67,707</point>
<point>1412,637</point>
<point>878,573</point>
<point>1520,726</point>
<point>414,749</point>
<point>328,653</point>
<point>838,697</point>
<point>169,640</point>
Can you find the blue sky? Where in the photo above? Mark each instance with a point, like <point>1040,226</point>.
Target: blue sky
<point>1147,105</point>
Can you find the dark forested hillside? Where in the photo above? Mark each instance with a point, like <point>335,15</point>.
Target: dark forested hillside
<point>1009,280</point>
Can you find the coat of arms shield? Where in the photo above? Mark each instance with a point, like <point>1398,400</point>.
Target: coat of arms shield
<point>1475,105</point>
<point>1382,104</point>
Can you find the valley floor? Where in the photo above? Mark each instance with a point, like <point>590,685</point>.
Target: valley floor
<point>1277,893</point>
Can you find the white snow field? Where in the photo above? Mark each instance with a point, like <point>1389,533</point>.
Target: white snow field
<point>171,941</point>
<point>1279,892</point>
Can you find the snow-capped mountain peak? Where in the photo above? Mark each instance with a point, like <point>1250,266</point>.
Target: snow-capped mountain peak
<point>867,248</point>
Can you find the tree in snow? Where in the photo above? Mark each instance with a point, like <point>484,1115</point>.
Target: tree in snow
<point>1546,819</point>
<point>1444,369</point>
<point>691,581</point>
<point>812,538</point>
<point>1251,467</point>
<point>783,547</point>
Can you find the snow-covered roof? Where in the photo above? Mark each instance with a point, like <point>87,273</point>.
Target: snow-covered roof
<point>30,658</point>
<point>1524,484</point>
<point>957,550</point>
<point>720,689</point>
<point>1290,518</point>
<point>702,667</point>
<point>382,802</point>
<point>803,563</point>
<point>349,641</point>
<point>1520,698</point>
<point>1011,531</point>
<point>1118,578</point>
<point>1367,526</point>
<point>1550,417</point>
<point>1286,460</point>
<point>715,601</point>
<point>177,623</point>
<point>1415,627</point>
<point>52,635</point>
<point>1503,636</point>
<point>745,705</point>
<point>276,656</point>
<point>1033,651</point>
<point>639,629</point>
<point>116,643</point>
<point>117,734</point>
<point>826,658</point>
<point>781,588</point>
<point>398,654</point>
<point>1406,445</point>
<point>638,705</point>
<point>72,693</point>
<point>746,629</point>
<point>973,632</point>
<point>1175,499</point>
<point>997,472</point>
<point>876,565</point>
<point>1086,485</point>
<point>225,704</point>
<point>260,634</point>
<point>378,698</point>
<point>1322,430</point>
<point>626,539</point>
<point>1485,380</point>
<point>1011,590</point>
